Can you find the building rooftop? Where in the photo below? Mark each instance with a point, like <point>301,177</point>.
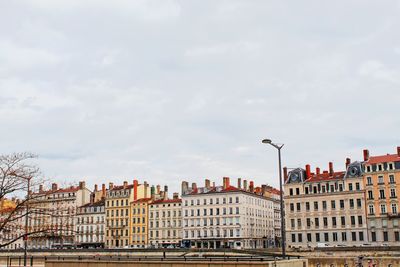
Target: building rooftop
<point>94,204</point>
<point>383,158</point>
<point>166,201</point>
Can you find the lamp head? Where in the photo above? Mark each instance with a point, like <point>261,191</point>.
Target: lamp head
<point>266,141</point>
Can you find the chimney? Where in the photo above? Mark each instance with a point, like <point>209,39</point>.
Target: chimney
<point>165,192</point>
<point>153,192</point>
<point>146,186</point>
<point>245,185</point>
<point>348,161</point>
<point>366,154</point>
<point>125,184</point>
<point>135,189</point>
<point>263,189</point>
<point>251,187</point>
<point>184,188</point>
<point>103,190</point>
<point>158,189</point>
<point>41,188</point>
<point>330,168</point>
<point>194,187</point>
<point>285,174</point>
<point>239,185</point>
<point>308,171</point>
<point>175,196</point>
<point>226,182</point>
<point>82,185</point>
<point>96,188</point>
<point>213,184</point>
<point>207,183</point>
<point>54,186</point>
<point>110,186</point>
<point>318,171</point>
<point>398,151</point>
<point>161,194</point>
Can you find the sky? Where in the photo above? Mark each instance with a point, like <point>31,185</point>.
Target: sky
<point>166,91</point>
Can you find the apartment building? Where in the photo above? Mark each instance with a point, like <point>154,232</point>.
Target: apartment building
<point>227,216</point>
<point>53,217</point>
<point>119,212</point>
<point>12,232</point>
<point>140,210</point>
<point>382,175</point>
<point>90,221</point>
<point>325,207</point>
<point>165,216</point>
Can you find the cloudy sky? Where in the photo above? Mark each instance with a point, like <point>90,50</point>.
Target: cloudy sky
<point>166,91</point>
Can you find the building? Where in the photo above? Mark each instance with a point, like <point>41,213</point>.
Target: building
<point>90,221</point>
<point>165,229</point>
<point>325,207</point>
<point>382,175</point>
<point>53,215</point>
<point>227,216</point>
<point>119,214</point>
<point>12,220</point>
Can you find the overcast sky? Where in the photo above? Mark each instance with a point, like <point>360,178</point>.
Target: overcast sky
<point>166,91</point>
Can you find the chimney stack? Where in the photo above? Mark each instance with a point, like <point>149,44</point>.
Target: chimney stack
<point>40,188</point>
<point>318,171</point>
<point>245,185</point>
<point>348,161</point>
<point>251,187</point>
<point>207,183</point>
<point>239,185</point>
<point>263,189</point>
<point>308,171</point>
<point>153,192</point>
<point>110,186</point>
<point>125,184</point>
<point>158,189</point>
<point>366,154</point>
<point>135,189</point>
<point>285,174</point>
<point>54,186</point>
<point>194,187</point>
<point>175,196</point>
<point>398,151</point>
<point>165,192</point>
<point>225,182</point>
<point>96,188</point>
<point>213,184</point>
<point>330,168</point>
<point>146,186</point>
<point>103,190</point>
<point>184,188</point>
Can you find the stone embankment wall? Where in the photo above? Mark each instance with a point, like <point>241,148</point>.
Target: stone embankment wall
<point>286,263</point>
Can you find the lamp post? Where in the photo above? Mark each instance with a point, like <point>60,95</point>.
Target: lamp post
<point>283,232</point>
<point>26,221</point>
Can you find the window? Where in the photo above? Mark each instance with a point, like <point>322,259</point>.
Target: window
<point>291,191</point>
<point>307,206</point>
<point>326,237</point>
<point>317,237</point>
<point>325,219</point>
<point>373,236</point>
<point>309,237</point>
<point>344,236</point>
<point>351,203</point>
<point>361,236</point>
<point>343,220</point>
<point>292,222</point>
<point>385,236</point>
<point>371,209</point>
<point>353,236</point>
<point>370,194</point>
<point>360,220</point>
<point>359,203</point>
<point>396,236</point>
<point>299,223</point>
<point>383,208</point>
<point>368,168</point>
<point>382,193</point>
<point>291,207</point>
<point>300,238</point>
<point>334,221</point>
<point>350,187</point>
<point>333,204</point>
<point>357,186</point>
<point>380,179</point>
<point>334,236</point>
<point>341,204</point>
<point>315,205</point>
<point>316,222</point>
<point>392,192</point>
<point>353,220</point>
<point>391,179</point>
<point>369,180</point>
<point>394,208</point>
<point>298,207</point>
<point>293,238</point>
<point>308,222</point>
<point>298,193</point>
<point>324,206</point>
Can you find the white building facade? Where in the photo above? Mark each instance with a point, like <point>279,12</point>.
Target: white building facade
<point>227,216</point>
<point>90,225</point>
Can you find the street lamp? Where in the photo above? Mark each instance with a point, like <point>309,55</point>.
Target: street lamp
<point>28,179</point>
<point>283,236</point>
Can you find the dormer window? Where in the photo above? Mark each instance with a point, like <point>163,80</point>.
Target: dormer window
<point>380,167</point>
<point>390,166</point>
<point>369,168</point>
